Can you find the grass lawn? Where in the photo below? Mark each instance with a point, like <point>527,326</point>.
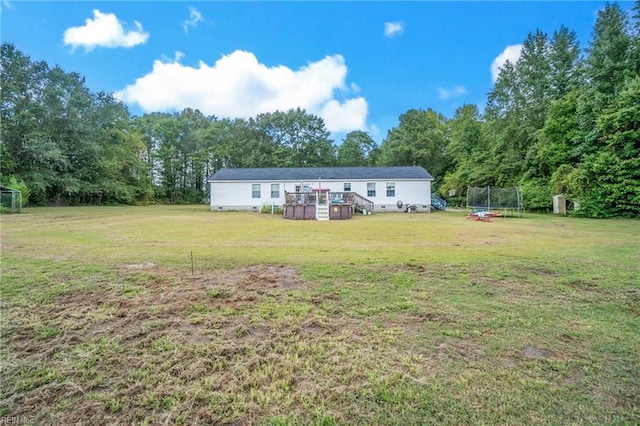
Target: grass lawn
<point>154,315</point>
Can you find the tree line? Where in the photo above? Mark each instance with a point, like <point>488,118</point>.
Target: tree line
<point>561,119</point>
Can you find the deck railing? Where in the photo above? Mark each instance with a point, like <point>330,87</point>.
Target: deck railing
<point>300,198</point>
<point>353,198</point>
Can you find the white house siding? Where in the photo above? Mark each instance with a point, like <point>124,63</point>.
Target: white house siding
<point>237,195</point>
<point>416,193</point>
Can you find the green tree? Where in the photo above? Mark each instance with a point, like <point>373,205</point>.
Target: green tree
<point>356,149</point>
<point>302,139</point>
<point>605,181</point>
<point>192,184</point>
<point>239,143</point>
<point>420,139</point>
<point>517,108</point>
<point>606,63</point>
<point>27,150</point>
<point>634,52</point>
<point>605,69</point>
<point>464,151</point>
<point>59,135</point>
<point>518,111</point>
<point>553,149</point>
<point>614,189</point>
<point>565,63</point>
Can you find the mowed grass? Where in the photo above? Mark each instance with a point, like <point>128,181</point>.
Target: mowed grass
<point>385,319</point>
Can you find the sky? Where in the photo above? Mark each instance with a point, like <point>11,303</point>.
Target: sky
<point>358,65</point>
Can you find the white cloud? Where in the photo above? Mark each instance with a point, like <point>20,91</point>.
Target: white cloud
<point>392,29</point>
<point>104,30</point>
<point>346,116</point>
<point>511,54</point>
<point>455,92</point>
<point>237,85</point>
<point>194,18</point>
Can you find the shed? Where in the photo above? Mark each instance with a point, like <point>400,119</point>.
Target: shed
<point>10,198</point>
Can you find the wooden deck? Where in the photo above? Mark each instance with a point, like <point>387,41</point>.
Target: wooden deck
<point>341,205</point>
<point>308,211</point>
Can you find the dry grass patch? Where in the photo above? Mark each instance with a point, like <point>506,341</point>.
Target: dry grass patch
<point>161,345</point>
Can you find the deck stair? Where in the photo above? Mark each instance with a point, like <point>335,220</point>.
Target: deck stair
<point>322,211</point>
<point>326,206</point>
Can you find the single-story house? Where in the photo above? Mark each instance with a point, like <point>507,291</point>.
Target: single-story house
<point>389,189</point>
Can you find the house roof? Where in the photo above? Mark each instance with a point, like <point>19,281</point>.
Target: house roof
<point>326,173</point>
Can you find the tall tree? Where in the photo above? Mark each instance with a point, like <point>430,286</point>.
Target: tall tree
<point>28,150</point>
<point>565,64</point>
<point>465,149</point>
<point>58,133</point>
<point>238,143</point>
<point>553,144</point>
<point>356,149</point>
<point>613,185</point>
<point>634,53</point>
<point>301,138</point>
<point>604,70</point>
<point>517,108</point>
<point>605,181</point>
<point>193,154</point>
<point>420,139</point>
<point>606,63</point>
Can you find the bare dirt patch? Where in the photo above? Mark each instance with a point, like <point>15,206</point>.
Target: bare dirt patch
<point>538,353</point>
<point>139,266</point>
<point>585,286</point>
<point>530,352</point>
<point>154,319</point>
<point>196,308</point>
<point>460,348</point>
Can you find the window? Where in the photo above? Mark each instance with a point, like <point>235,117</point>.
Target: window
<point>371,189</point>
<point>275,190</point>
<point>391,189</point>
<point>255,190</point>
<point>347,187</point>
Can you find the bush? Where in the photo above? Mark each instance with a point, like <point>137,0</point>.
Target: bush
<point>267,208</point>
<point>537,195</point>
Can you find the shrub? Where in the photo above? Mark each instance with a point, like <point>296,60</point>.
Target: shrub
<point>267,208</point>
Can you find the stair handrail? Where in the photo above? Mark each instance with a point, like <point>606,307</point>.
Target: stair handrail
<point>352,198</point>
<point>438,202</point>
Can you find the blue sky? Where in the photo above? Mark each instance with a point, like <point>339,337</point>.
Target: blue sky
<point>359,65</point>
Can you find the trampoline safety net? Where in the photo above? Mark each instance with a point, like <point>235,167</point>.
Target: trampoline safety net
<point>494,198</point>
